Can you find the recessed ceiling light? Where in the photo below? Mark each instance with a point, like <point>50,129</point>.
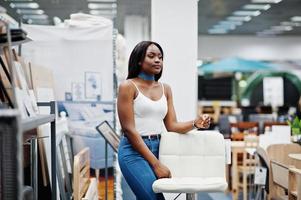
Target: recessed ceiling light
<point>16,0</point>
<point>24,5</point>
<point>239,18</point>
<point>38,21</point>
<point>224,26</point>
<point>247,13</point>
<point>102,12</point>
<point>261,34</point>
<point>103,1</point>
<point>217,31</point>
<point>296,19</point>
<point>30,11</point>
<point>257,7</point>
<point>271,32</point>
<point>266,1</point>
<point>290,24</point>
<point>282,28</point>
<point>101,5</point>
<point>35,16</point>
<point>236,23</point>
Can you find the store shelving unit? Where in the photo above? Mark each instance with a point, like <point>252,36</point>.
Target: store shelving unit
<point>17,129</point>
<point>12,128</point>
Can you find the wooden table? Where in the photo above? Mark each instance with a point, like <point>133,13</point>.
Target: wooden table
<point>295,156</point>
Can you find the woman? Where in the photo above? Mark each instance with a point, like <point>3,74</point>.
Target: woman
<point>144,107</point>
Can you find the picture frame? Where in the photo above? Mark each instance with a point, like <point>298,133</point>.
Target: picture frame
<point>108,133</point>
<point>68,96</point>
<point>93,85</point>
<point>78,91</point>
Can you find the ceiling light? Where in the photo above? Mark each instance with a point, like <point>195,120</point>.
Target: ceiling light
<point>236,23</point>
<point>282,28</point>
<point>257,7</point>
<point>102,1</point>
<point>247,13</point>
<point>38,21</point>
<point>217,31</point>
<point>239,18</point>
<point>266,1</point>
<point>24,5</point>
<point>272,31</point>
<point>224,26</point>
<point>290,24</point>
<point>102,12</point>
<point>35,16</point>
<point>261,34</point>
<point>30,12</point>
<point>17,0</point>
<point>101,6</point>
<point>296,19</point>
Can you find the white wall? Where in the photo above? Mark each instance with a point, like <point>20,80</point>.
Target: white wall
<point>261,48</point>
<point>174,27</point>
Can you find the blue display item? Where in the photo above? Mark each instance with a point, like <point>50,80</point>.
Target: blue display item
<point>235,65</point>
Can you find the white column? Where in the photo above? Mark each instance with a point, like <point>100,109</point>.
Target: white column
<point>136,29</point>
<point>174,26</point>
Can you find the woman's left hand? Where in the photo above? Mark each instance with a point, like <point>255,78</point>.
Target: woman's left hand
<point>202,121</point>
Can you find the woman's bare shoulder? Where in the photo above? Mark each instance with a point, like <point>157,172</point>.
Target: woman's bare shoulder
<point>166,86</point>
<point>127,85</point>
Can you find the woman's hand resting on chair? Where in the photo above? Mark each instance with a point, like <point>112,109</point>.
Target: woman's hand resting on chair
<point>161,170</point>
<point>202,121</point>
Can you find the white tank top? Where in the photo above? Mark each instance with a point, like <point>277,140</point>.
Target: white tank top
<point>149,114</point>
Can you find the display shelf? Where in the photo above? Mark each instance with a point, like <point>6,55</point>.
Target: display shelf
<point>33,122</point>
<point>22,125</point>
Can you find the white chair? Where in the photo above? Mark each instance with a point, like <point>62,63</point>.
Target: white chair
<point>196,161</point>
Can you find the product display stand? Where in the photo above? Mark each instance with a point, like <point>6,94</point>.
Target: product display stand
<point>11,185</point>
<point>11,153</point>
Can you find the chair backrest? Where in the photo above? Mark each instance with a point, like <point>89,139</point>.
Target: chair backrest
<point>195,154</point>
<point>246,126</point>
<point>268,125</point>
<point>279,152</point>
<point>81,174</point>
<point>277,155</point>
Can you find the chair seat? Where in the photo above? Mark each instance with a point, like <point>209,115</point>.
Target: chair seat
<point>189,185</point>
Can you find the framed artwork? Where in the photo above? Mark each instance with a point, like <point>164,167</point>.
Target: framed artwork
<point>78,91</point>
<point>109,134</point>
<point>68,96</point>
<point>92,85</point>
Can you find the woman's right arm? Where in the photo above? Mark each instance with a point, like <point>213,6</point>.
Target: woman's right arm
<point>125,109</point>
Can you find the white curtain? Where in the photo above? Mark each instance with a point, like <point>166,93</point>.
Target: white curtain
<point>72,51</point>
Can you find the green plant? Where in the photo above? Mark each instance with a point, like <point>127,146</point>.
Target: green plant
<point>295,126</point>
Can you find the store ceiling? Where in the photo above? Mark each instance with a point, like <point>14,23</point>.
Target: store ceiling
<point>210,15</point>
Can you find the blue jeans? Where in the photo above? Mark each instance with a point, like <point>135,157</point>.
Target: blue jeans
<point>136,170</point>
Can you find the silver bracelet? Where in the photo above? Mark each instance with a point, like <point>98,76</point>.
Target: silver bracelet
<point>193,125</point>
